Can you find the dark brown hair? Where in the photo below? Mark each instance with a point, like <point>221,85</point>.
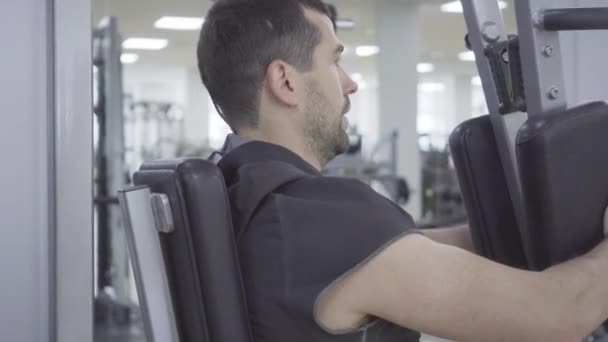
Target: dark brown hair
<point>239,40</point>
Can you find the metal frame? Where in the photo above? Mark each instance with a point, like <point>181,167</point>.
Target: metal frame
<point>486,27</point>
<point>533,69</point>
<point>535,58</point>
<point>71,150</point>
<point>543,69</point>
<point>148,262</point>
<point>111,159</point>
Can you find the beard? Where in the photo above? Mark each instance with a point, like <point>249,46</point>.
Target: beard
<point>323,126</point>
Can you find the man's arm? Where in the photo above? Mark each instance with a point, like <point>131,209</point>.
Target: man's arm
<point>448,292</point>
<point>458,236</point>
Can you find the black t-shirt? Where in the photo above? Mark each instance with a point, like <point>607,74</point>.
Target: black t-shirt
<point>298,233</point>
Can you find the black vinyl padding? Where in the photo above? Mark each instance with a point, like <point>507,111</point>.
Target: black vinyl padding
<point>484,188</point>
<point>200,255</point>
<point>563,160</point>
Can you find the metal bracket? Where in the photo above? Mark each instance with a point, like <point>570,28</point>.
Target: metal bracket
<point>163,216</point>
<point>149,269</point>
<point>505,64</point>
<point>543,72</point>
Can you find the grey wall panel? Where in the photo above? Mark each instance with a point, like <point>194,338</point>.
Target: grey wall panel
<point>25,208</point>
<point>45,174</point>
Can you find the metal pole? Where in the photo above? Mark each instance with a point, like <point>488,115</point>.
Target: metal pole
<point>486,27</point>
<point>540,54</point>
<point>114,154</point>
<point>73,161</point>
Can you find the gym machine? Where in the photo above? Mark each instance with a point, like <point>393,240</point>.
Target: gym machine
<point>114,310</point>
<point>525,90</point>
<point>153,130</point>
<point>532,180</point>
<point>442,203</point>
<point>534,190</point>
<point>110,168</point>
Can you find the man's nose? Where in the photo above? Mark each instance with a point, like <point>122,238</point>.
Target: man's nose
<point>351,86</point>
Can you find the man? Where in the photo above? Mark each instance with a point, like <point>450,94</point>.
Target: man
<point>327,259</point>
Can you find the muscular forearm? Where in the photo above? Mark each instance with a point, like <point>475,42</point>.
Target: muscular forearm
<point>580,285</point>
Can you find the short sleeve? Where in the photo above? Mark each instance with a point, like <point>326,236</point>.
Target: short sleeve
<point>330,227</point>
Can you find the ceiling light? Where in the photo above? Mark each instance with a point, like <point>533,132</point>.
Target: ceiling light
<point>467,56</point>
<point>431,86</point>
<point>367,50</point>
<point>456,6</point>
<point>128,58</point>
<point>180,23</point>
<point>145,44</point>
<point>425,67</point>
<point>345,23</point>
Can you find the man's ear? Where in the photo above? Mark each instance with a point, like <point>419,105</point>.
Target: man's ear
<point>282,81</point>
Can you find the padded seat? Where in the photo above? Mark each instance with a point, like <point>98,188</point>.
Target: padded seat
<point>485,193</point>
<point>200,254</point>
<point>563,166</point>
<point>563,161</point>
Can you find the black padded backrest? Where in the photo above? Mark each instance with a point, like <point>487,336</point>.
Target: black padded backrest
<point>200,255</point>
<point>563,162</point>
<point>486,196</point>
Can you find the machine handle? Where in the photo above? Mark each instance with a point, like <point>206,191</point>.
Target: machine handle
<point>575,19</point>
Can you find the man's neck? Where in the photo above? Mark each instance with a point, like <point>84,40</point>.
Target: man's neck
<point>294,146</point>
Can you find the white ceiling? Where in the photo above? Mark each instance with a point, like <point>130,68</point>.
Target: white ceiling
<point>442,35</point>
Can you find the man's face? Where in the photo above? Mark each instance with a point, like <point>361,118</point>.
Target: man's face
<point>326,101</point>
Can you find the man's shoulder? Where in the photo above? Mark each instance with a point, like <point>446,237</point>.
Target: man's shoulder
<point>332,188</point>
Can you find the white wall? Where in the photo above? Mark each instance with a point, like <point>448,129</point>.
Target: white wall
<point>196,109</point>
<point>364,103</point>
<point>584,55</point>
<point>182,85</point>
<point>398,36</point>
<point>156,83</point>
<point>179,85</point>
<point>438,106</point>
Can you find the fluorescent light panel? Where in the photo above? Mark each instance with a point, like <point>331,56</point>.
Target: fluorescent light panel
<point>425,67</point>
<point>431,86</point>
<point>345,23</point>
<point>128,58</point>
<point>367,50</point>
<point>180,23</point>
<point>145,44</point>
<point>456,6</point>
